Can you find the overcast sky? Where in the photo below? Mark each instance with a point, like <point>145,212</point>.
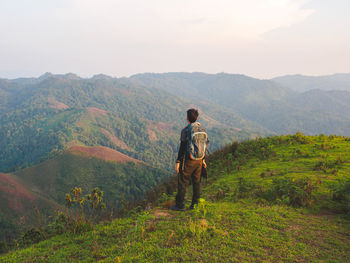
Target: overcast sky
<point>259,38</point>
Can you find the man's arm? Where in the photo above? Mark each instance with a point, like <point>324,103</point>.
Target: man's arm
<point>180,156</point>
<point>181,153</point>
<point>182,150</point>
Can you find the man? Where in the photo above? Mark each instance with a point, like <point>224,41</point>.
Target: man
<point>194,141</point>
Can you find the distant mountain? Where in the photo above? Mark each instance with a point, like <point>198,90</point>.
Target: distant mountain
<point>272,105</point>
<point>229,90</point>
<point>302,83</point>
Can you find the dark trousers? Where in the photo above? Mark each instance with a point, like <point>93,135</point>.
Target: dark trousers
<point>191,172</point>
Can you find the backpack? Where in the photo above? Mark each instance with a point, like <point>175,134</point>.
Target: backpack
<point>197,141</point>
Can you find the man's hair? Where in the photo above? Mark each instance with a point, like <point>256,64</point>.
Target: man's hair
<point>192,115</point>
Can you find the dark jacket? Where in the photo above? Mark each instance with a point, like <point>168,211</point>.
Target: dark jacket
<point>183,145</point>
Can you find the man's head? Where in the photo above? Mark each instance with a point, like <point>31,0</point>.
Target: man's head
<point>192,115</point>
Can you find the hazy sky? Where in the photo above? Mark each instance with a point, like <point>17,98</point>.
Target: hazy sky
<point>259,38</point>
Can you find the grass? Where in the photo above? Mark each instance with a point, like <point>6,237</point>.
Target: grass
<point>236,220</point>
<point>231,232</point>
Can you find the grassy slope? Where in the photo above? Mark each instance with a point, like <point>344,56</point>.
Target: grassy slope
<point>238,226</point>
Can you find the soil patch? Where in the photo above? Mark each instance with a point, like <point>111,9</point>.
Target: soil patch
<point>116,140</point>
<point>103,153</point>
<point>152,135</point>
<point>162,126</point>
<point>57,105</point>
<point>161,213</point>
<point>14,192</point>
<point>96,111</point>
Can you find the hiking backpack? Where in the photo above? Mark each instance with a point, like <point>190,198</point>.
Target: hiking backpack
<point>197,141</point>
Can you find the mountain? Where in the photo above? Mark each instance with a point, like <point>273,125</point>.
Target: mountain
<point>302,83</point>
<point>278,199</point>
<point>62,131</point>
<point>229,90</point>
<point>41,119</point>
<point>268,103</point>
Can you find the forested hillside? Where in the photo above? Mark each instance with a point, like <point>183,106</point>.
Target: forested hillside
<point>40,117</point>
<point>274,104</point>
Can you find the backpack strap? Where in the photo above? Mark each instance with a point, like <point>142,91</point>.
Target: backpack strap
<point>189,126</point>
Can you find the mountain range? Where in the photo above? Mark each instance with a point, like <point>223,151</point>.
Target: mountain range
<point>122,134</point>
<point>62,131</point>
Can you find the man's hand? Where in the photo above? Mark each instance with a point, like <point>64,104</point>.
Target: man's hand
<point>204,164</point>
<point>177,167</point>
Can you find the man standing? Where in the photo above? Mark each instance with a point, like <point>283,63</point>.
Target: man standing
<point>194,141</point>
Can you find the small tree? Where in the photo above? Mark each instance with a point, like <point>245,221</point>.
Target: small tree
<point>93,200</point>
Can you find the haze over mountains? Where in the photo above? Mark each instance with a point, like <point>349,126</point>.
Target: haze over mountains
<point>122,134</point>
<point>305,83</point>
<point>274,104</point>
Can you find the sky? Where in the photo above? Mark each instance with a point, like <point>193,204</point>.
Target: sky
<point>258,38</point>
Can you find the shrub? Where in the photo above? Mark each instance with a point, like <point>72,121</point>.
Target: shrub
<point>324,164</point>
<point>291,191</point>
<point>235,155</point>
<point>142,218</point>
<point>60,224</point>
<point>341,194</point>
<point>301,138</point>
<point>32,236</point>
<point>92,203</point>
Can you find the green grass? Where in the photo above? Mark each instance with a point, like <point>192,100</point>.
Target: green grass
<point>230,232</point>
<point>236,221</point>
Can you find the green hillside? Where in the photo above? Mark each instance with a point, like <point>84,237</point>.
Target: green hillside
<point>278,199</point>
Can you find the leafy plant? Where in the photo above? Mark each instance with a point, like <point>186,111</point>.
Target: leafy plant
<point>341,194</point>
<point>142,218</point>
<point>292,191</point>
<point>32,236</point>
<point>92,202</point>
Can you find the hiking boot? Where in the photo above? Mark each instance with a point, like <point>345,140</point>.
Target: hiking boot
<point>175,208</point>
<point>192,206</point>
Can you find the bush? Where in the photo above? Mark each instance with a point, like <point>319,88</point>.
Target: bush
<point>60,224</point>
<point>324,164</point>
<point>301,138</point>
<point>341,194</point>
<point>32,236</point>
<point>291,191</point>
<point>235,155</point>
